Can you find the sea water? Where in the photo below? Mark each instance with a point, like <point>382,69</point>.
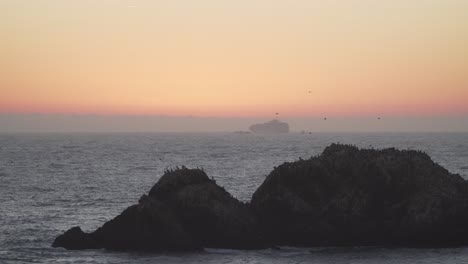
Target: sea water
<point>51,182</point>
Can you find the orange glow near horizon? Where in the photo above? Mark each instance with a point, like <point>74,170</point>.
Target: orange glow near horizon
<point>234,58</point>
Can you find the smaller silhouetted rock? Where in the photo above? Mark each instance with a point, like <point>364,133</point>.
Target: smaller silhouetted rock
<point>75,238</point>
<point>272,127</point>
<point>351,196</point>
<point>185,210</point>
<point>208,212</point>
<point>149,225</point>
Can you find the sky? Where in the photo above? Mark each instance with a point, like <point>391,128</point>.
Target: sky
<point>235,60</point>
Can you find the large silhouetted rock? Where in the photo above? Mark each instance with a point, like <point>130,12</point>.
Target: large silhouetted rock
<point>351,196</point>
<point>345,196</point>
<point>185,210</point>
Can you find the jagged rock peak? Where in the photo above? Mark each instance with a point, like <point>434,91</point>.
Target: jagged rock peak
<point>173,180</point>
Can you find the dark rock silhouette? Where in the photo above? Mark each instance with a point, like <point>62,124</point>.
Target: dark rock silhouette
<point>150,225</point>
<point>75,238</point>
<point>344,197</point>
<point>350,196</point>
<point>207,211</point>
<point>272,127</point>
<point>185,210</point>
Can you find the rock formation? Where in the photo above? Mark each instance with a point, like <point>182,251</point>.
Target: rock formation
<point>150,225</point>
<point>207,211</point>
<point>185,210</point>
<point>344,197</point>
<point>272,127</point>
<point>351,196</point>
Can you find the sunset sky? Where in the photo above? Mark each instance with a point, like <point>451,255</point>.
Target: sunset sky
<point>234,58</point>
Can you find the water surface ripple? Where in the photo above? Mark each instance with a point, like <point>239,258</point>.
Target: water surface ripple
<point>51,182</point>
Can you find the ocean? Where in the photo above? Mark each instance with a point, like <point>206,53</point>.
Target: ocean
<point>52,182</point>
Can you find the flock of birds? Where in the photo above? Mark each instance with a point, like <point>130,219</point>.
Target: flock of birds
<point>378,118</point>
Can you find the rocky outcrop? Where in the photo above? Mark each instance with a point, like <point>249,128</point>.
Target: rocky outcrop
<point>344,197</point>
<point>351,196</point>
<point>185,210</point>
<point>149,225</point>
<point>272,127</point>
<point>75,238</point>
<point>207,211</point>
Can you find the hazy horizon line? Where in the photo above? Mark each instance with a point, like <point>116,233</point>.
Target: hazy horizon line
<point>16,123</point>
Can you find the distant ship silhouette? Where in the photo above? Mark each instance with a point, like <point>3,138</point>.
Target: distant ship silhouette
<point>272,127</point>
